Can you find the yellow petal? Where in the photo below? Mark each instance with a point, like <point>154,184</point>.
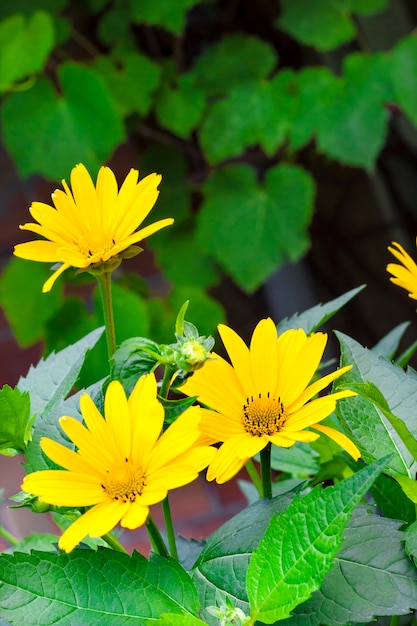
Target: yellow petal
<point>176,439</point>
<point>240,358</point>
<point>146,195</point>
<point>48,284</point>
<point>172,476</point>
<point>250,446</point>
<point>67,458</point>
<point>226,462</point>
<point>135,516</point>
<point>316,387</point>
<point>281,440</point>
<point>219,427</point>
<point>147,417</point>
<point>264,358</point>
<point>85,198</point>
<point>64,488</point>
<point>99,431</point>
<point>227,398</point>
<point>107,191</point>
<point>96,522</point>
<point>340,439</point>
<point>88,447</point>
<point>117,414</point>
<point>45,251</point>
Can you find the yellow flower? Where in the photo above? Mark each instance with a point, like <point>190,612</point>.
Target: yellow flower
<point>91,225</point>
<point>123,464</point>
<point>264,396</point>
<point>404,275</point>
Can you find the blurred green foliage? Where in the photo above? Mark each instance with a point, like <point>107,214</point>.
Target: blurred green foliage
<point>220,98</point>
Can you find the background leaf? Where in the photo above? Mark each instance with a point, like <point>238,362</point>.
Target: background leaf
<point>15,421</point>
<point>82,125</point>
<point>267,222</point>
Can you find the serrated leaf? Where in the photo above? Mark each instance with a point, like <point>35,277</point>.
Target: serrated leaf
<point>251,229</point>
<point>45,542</point>
<point>318,315</point>
<point>178,620</point>
<point>57,587</point>
<point>234,60</point>
<point>364,422</point>
<point>299,546</point>
<point>81,125</point>
<point>372,576</point>
<point>15,421</point>
<point>27,309</point>
<point>221,568</point>
<point>179,108</point>
<point>131,80</point>
<point>25,44</point>
<point>254,112</point>
<point>174,408</point>
<point>404,72</point>
<point>410,538</point>
<point>53,378</point>
<point>388,345</point>
<point>298,460</point>
<point>170,15</point>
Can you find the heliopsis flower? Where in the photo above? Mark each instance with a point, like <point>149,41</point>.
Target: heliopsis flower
<point>122,465</point>
<point>404,275</point>
<point>90,226</point>
<point>265,395</point>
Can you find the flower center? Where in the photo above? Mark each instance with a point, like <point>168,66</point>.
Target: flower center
<point>124,482</point>
<point>95,247</point>
<point>263,416</point>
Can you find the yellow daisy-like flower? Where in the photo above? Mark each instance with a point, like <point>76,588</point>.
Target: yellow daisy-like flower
<point>264,396</point>
<point>123,464</point>
<point>404,275</point>
<point>90,225</point>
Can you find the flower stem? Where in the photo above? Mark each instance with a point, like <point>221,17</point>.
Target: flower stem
<point>395,620</point>
<point>169,528</point>
<point>166,381</point>
<point>266,471</point>
<point>114,543</point>
<point>104,280</point>
<point>254,476</point>
<point>155,537</point>
<point>8,536</point>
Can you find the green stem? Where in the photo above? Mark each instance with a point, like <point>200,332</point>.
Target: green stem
<point>266,471</point>
<point>104,280</point>
<point>169,528</point>
<point>166,381</point>
<point>155,537</point>
<point>8,536</point>
<point>254,476</point>
<point>114,543</point>
<point>395,620</point>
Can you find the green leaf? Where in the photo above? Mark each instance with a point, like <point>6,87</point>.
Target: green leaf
<point>353,126</point>
<point>131,80</point>
<point>25,7</point>
<point>318,315</point>
<point>81,125</point>
<point>179,108</point>
<point>56,588</point>
<point>251,229</point>
<point>45,542</point>
<point>391,500</point>
<point>388,345</point>
<point>220,571</point>
<point>410,537</point>
<point>316,88</point>
<point>170,15</point>
<point>24,46</point>
<point>204,311</point>
<point>191,266</point>
<point>132,359</point>
<point>365,423</point>
<point>178,620</point>
<point>53,378</point>
<point>254,112</point>
<point>324,24</point>
<point>27,309</point>
<point>174,408</point>
<point>371,576</point>
<point>299,460</point>
<point>299,546</point>
<point>404,73</point>
<point>409,486</point>
<point>234,60</point>
<point>15,422</point>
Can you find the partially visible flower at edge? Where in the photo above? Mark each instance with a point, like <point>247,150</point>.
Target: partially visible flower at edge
<point>264,396</point>
<point>123,464</point>
<point>91,225</point>
<point>404,275</point>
